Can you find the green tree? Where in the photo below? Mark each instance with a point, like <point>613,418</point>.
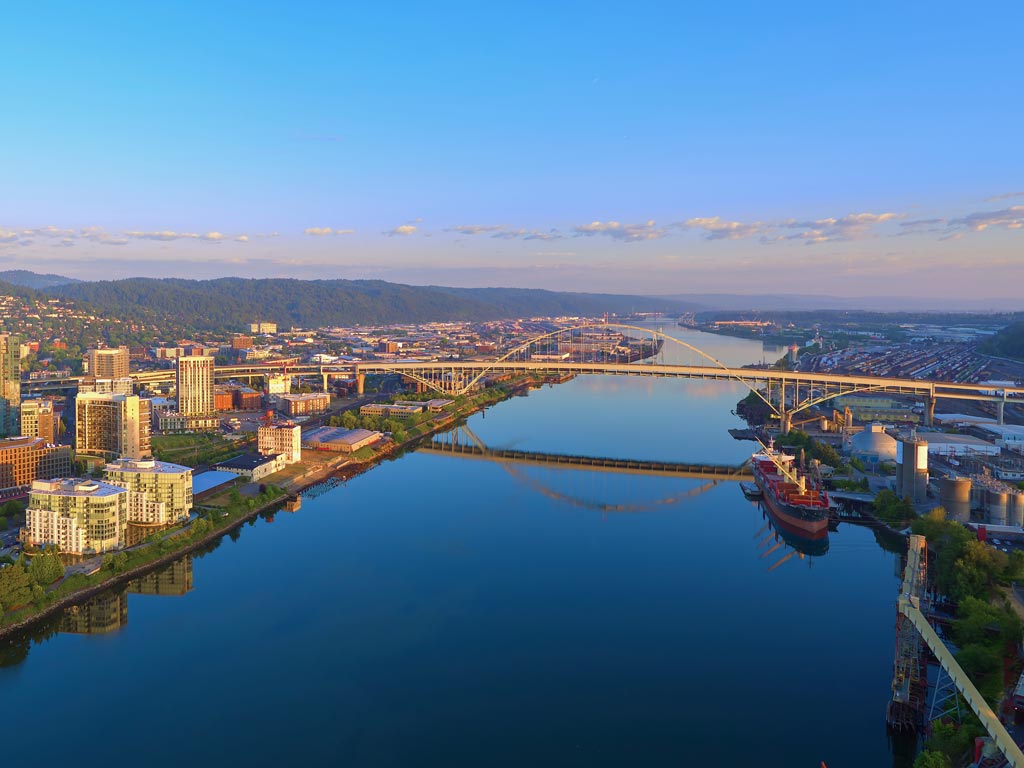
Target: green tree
<point>15,587</point>
<point>892,509</point>
<point>349,420</point>
<point>46,568</point>
<point>930,759</point>
<point>11,509</point>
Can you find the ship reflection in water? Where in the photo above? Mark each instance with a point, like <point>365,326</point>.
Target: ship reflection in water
<point>776,535</point>
<point>800,543</point>
<point>108,612</point>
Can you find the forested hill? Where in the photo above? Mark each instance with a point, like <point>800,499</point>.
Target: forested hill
<point>232,303</point>
<point>26,279</point>
<point>1009,342</point>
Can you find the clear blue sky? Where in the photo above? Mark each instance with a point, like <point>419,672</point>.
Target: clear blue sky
<point>648,147</point>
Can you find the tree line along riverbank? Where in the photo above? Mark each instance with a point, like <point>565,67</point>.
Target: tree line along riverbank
<point>35,588</point>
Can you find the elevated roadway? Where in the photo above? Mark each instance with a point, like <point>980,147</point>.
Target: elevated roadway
<point>591,463</point>
<point>785,392</point>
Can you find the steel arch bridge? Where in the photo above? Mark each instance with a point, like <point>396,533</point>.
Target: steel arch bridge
<point>785,392</point>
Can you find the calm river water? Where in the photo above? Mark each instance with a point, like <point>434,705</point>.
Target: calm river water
<point>444,611</point>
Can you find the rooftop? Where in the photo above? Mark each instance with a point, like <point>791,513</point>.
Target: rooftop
<point>337,435</point>
<point>247,461</point>
<point>125,464</point>
<point>75,486</point>
<point>207,481</point>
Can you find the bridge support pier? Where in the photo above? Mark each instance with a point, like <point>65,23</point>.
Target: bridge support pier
<point>360,383</point>
<point>1001,410</point>
<point>929,413</point>
<point>785,422</point>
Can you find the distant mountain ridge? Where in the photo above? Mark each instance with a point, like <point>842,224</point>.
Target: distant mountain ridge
<point>738,302</point>
<point>233,302</point>
<point>34,280</point>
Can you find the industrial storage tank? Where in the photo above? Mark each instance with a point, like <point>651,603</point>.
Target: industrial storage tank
<point>995,503</point>
<point>955,496</point>
<point>1016,512</point>
<point>912,469</point>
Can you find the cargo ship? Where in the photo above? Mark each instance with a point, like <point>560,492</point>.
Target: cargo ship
<point>793,506</point>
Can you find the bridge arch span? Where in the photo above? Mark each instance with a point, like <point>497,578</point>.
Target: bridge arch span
<point>502,361</point>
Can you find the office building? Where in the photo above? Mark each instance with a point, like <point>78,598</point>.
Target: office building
<point>284,439</point>
<point>279,384</point>
<point>174,423</point>
<point>195,386</point>
<point>26,459</point>
<point>107,363</point>
<point>10,385</point>
<point>78,516</point>
<point>38,420</point>
<point>111,426</point>
<point>391,410</point>
<point>122,386</point>
<point>270,328</point>
<point>304,405</point>
<point>168,486</point>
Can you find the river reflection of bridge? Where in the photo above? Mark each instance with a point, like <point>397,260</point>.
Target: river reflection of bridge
<point>108,612</point>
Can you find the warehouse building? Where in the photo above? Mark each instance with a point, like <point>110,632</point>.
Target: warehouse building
<point>340,440</point>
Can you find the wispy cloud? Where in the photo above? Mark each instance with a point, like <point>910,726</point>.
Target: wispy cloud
<point>1008,218</point>
<point>921,226</point>
<point>322,231</point>
<point>1006,196</point>
<point>401,230</point>
<point>164,235</point>
<point>528,234</point>
<point>853,226</point>
<point>618,231</point>
<point>717,228</point>
<point>476,229</point>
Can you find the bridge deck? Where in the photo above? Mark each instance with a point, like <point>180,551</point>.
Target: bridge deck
<point>593,464</point>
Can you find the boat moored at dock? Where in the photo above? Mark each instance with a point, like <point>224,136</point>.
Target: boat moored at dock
<point>795,507</point>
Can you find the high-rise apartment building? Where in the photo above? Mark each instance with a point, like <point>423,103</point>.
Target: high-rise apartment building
<point>168,486</point>
<point>195,386</point>
<point>107,363</point>
<point>79,516</point>
<point>38,420</point>
<point>10,384</point>
<point>111,426</point>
